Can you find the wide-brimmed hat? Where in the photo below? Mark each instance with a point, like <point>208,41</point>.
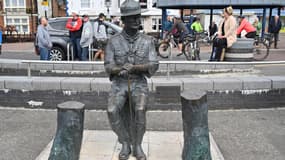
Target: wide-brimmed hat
<point>130,8</point>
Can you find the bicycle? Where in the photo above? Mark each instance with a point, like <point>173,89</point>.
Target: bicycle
<point>165,46</point>
<point>262,46</point>
<point>191,47</point>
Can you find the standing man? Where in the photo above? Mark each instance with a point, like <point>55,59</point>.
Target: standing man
<point>43,40</point>
<point>100,34</point>
<point>86,37</point>
<point>130,58</point>
<point>274,28</point>
<point>74,25</point>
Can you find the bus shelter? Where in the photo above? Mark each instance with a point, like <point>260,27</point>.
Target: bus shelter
<point>220,4</point>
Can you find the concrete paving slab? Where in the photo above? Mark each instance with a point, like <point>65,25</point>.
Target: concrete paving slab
<point>254,83</point>
<point>43,84</point>
<point>2,84</point>
<point>166,82</point>
<point>201,84</point>
<point>65,67</point>
<point>97,145</point>
<point>48,67</point>
<point>221,84</point>
<point>18,83</point>
<point>76,84</point>
<point>278,82</point>
<point>84,67</point>
<point>101,84</point>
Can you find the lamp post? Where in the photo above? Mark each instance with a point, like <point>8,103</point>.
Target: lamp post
<point>108,4</point>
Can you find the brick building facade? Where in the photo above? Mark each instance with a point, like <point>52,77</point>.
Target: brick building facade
<point>58,9</point>
<point>19,13</point>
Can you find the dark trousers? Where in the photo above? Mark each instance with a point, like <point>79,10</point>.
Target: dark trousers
<point>44,54</point>
<point>218,45</point>
<point>0,49</point>
<point>84,54</point>
<point>251,35</point>
<point>276,38</point>
<point>76,47</point>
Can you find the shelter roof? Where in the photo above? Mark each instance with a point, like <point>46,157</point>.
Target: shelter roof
<point>218,4</point>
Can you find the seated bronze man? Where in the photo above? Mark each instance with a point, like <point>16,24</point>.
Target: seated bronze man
<point>130,58</point>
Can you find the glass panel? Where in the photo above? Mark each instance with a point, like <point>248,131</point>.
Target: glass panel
<point>85,4</point>
<point>25,28</point>
<point>13,3</point>
<point>154,24</point>
<point>159,24</point>
<point>9,21</point>
<point>24,20</point>
<point>143,4</point>
<point>22,3</point>
<point>18,28</point>
<point>59,25</point>
<point>7,3</point>
<point>17,21</point>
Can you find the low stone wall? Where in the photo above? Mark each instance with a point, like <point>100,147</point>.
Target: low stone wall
<point>223,93</point>
<point>16,67</point>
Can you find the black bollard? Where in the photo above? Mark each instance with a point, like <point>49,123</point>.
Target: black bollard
<point>70,121</point>
<point>195,126</point>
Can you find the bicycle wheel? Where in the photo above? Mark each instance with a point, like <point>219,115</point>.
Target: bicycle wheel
<point>261,50</point>
<point>197,54</point>
<point>188,51</point>
<point>164,50</point>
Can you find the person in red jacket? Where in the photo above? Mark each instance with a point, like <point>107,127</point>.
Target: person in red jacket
<point>248,27</point>
<point>74,25</point>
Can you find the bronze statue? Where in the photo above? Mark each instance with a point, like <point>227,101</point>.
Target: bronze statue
<point>130,58</point>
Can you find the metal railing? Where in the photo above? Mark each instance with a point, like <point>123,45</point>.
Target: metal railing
<point>70,53</point>
<point>70,48</point>
<point>167,63</point>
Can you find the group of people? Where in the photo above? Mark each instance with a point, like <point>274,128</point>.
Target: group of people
<point>227,32</point>
<point>82,34</point>
<point>179,30</point>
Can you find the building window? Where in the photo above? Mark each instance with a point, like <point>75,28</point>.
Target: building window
<point>85,3</point>
<point>21,23</point>
<point>15,4</point>
<point>143,4</point>
<point>156,24</point>
<point>142,24</point>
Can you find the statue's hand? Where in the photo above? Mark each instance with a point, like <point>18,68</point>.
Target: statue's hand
<point>123,73</point>
<point>128,67</point>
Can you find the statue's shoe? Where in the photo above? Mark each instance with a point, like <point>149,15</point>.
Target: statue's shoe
<point>138,153</point>
<point>125,152</point>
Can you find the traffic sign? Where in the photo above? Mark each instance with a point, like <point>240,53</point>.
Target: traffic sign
<point>44,3</point>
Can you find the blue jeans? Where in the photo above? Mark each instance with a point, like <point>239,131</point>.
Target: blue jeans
<point>84,54</point>
<point>44,54</point>
<point>76,48</point>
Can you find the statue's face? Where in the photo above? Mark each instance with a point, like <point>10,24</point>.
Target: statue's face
<point>132,22</point>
